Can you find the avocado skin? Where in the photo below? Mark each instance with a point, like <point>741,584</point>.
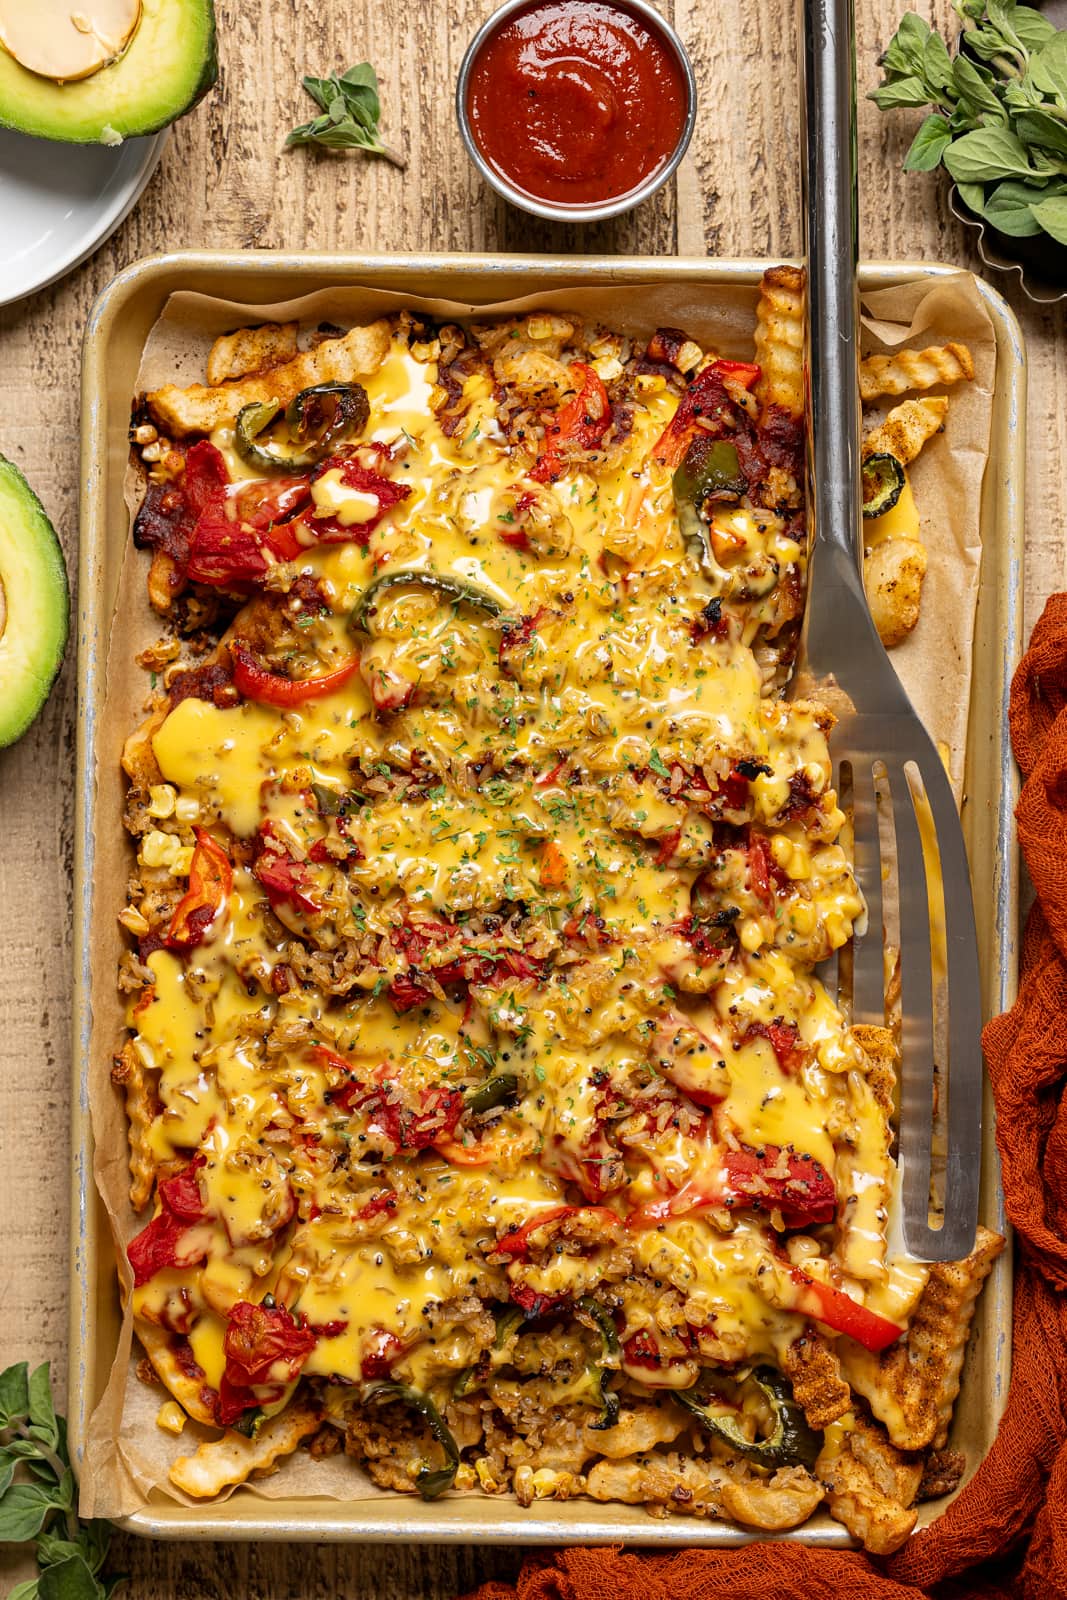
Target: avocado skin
<point>46,121</point>
<point>26,684</point>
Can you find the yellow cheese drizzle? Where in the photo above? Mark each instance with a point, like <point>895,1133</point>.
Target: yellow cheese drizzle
<point>615,681</point>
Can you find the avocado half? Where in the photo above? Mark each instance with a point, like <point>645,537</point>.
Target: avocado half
<point>34,604</point>
<point>169,64</point>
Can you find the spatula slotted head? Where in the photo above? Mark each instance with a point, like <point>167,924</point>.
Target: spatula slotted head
<point>912,867</point>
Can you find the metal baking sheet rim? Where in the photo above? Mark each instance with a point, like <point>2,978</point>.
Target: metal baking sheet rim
<point>125,311</point>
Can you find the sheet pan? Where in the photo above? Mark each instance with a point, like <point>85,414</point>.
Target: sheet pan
<point>118,326</point>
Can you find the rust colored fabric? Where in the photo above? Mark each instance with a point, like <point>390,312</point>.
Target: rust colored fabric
<point>1005,1537</point>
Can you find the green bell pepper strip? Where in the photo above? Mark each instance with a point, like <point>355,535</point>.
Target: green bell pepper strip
<point>310,424</point>
<point>431,1481</point>
<point>708,469</point>
<point>609,1400</point>
<point>457,590</point>
<point>883,483</point>
<point>790,1443</point>
<point>495,1091</point>
<point>508,1321</point>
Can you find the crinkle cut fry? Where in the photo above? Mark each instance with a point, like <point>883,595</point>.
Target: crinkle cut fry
<point>129,1074</point>
<point>221,1463</point>
<point>814,1371</point>
<point>186,1389</point>
<point>914,369</point>
<point>907,428</point>
<point>893,574</point>
<point>871,1100</point>
<point>701,1488</point>
<point>871,1486</point>
<point>201,407</point>
<point>250,350</point>
<point>912,1386</point>
<point>779,340</point>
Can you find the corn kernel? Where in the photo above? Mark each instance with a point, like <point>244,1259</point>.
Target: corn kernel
<point>170,1417</point>
<point>750,934</point>
<point>146,1053</point>
<point>132,920</point>
<point>159,849</point>
<point>607,368</point>
<point>649,383</point>
<point>161,798</point>
<point>183,861</point>
<point>187,809</point>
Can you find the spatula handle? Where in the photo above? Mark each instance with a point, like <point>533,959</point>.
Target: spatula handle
<point>831,234</point>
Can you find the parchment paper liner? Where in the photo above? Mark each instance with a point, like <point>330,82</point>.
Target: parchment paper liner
<point>127,1456</point>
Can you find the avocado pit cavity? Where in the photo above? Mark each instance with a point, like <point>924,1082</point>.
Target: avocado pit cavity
<point>67,39</point>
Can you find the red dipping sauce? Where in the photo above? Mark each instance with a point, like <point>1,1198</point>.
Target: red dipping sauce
<point>576,102</point>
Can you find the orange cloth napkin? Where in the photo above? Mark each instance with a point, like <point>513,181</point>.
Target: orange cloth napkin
<point>1005,1537</point>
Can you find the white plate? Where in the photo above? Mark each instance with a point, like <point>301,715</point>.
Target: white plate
<point>59,202</point>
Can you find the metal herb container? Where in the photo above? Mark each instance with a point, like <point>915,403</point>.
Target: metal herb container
<point>115,336</point>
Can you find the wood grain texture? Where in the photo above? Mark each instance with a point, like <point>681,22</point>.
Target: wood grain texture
<point>225,181</point>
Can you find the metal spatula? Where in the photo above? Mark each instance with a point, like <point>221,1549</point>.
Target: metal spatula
<point>881,753</point>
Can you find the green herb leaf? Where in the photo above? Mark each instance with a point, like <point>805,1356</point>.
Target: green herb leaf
<point>7,1470</point>
<point>904,55</point>
<point>975,87</point>
<point>973,197</point>
<point>929,144</point>
<point>1052,215</point>
<point>69,1580</point>
<point>1010,208</point>
<point>1042,130</point>
<point>91,1546</point>
<point>1048,69</point>
<point>937,64</point>
<point>658,765</point>
<point>902,92</point>
<point>25,1591</point>
<point>14,1394</point>
<point>352,111</point>
<point>24,1510</point>
<point>985,154</point>
<point>42,1411</point>
<point>1033,29</point>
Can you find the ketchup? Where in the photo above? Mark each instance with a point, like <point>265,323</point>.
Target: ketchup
<point>576,101</point>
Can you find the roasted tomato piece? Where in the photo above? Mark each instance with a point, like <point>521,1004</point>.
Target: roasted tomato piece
<point>264,1344</point>
<point>163,1242</point>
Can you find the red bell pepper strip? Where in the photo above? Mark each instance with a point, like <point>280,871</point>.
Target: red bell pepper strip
<point>582,421</point>
<point>552,873</point>
<point>210,886</point>
<point>287,881</point>
<point>805,1196</point>
<point>271,689</point>
<point>845,1315</point>
<point>705,407</point>
<point>259,1339</point>
<point>518,1242</point>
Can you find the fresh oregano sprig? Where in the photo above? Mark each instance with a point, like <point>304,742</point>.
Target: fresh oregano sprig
<point>38,1495</point>
<point>999,123</point>
<point>351,113</point>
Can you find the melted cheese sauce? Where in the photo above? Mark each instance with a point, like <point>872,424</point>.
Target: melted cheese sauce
<point>566,781</point>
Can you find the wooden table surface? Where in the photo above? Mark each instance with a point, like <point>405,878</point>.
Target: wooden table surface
<point>225,182</point>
